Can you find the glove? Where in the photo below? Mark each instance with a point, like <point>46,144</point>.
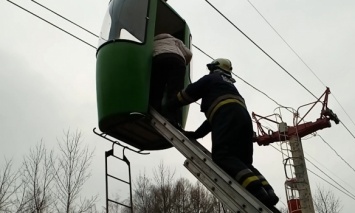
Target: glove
<point>190,135</point>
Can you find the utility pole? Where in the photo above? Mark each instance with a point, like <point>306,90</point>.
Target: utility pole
<point>297,186</point>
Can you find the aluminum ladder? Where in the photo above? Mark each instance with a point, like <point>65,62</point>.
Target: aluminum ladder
<point>199,163</point>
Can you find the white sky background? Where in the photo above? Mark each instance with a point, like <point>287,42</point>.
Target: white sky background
<point>47,78</point>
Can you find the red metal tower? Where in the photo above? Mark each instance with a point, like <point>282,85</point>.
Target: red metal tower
<point>297,187</point>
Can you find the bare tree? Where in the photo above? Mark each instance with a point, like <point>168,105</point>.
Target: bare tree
<point>8,186</point>
<point>163,194</point>
<point>142,194</point>
<point>37,177</point>
<point>162,191</point>
<point>181,195</point>
<point>71,170</point>
<point>117,208</point>
<point>202,200</point>
<point>326,202</point>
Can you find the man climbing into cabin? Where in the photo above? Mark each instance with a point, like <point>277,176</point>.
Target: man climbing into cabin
<point>230,123</point>
<point>170,57</point>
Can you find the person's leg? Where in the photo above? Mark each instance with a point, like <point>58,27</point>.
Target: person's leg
<point>157,83</point>
<point>273,197</point>
<point>231,149</point>
<point>175,83</point>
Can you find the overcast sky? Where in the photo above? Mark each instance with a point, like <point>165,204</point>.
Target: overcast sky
<point>47,79</point>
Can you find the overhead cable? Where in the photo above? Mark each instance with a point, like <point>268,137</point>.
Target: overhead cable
<point>329,170</point>
<point>192,45</point>
<point>48,22</point>
<point>346,192</point>
<point>349,194</point>
<point>337,154</point>
<point>202,51</point>
<point>352,195</point>
<point>332,185</point>
<point>260,48</point>
<point>309,68</point>
<point>95,48</point>
<point>241,78</point>
<point>68,20</point>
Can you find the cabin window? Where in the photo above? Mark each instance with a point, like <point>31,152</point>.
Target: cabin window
<point>125,20</point>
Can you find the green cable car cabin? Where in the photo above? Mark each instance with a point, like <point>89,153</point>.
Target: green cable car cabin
<point>123,69</point>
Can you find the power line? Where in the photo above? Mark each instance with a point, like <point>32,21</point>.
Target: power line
<point>202,51</point>
<point>48,22</point>
<point>337,153</point>
<point>260,49</point>
<point>275,61</point>
<point>347,193</point>
<point>240,78</point>
<point>279,105</point>
<point>95,48</point>
<point>331,184</point>
<point>347,129</point>
<point>309,68</point>
<point>68,20</point>
<point>192,44</point>
<point>352,196</point>
<point>329,170</point>
<point>299,57</point>
<point>258,90</point>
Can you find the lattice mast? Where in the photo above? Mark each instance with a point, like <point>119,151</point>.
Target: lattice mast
<point>297,186</point>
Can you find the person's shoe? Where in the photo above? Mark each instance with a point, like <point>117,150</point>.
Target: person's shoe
<point>263,196</point>
<point>273,197</point>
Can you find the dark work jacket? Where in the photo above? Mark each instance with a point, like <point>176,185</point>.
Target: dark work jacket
<point>211,89</point>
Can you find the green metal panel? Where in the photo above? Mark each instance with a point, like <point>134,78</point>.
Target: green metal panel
<point>123,78</point>
<point>123,71</point>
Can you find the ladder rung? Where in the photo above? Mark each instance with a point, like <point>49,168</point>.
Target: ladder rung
<point>201,165</point>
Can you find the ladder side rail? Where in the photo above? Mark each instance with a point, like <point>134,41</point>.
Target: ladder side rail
<point>202,160</point>
<point>108,154</point>
<point>218,177</point>
<point>225,183</point>
<point>210,184</point>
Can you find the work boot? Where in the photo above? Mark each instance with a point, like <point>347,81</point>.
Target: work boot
<point>273,197</point>
<point>262,195</point>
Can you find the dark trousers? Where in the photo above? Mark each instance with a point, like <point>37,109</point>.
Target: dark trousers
<point>168,76</point>
<point>232,150</point>
<point>232,133</point>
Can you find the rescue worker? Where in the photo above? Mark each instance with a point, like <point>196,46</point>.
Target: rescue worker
<point>230,123</point>
<point>170,58</point>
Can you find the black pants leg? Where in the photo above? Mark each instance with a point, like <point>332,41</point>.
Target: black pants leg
<point>168,76</point>
<point>232,148</point>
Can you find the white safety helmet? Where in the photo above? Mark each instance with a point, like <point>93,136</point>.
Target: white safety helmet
<point>221,63</point>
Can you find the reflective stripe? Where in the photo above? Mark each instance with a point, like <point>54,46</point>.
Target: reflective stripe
<point>184,98</point>
<point>249,180</point>
<point>242,173</point>
<point>265,183</point>
<point>223,103</point>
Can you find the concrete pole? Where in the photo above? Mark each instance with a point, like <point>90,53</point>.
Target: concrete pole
<point>300,168</point>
